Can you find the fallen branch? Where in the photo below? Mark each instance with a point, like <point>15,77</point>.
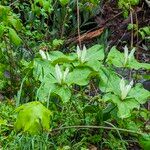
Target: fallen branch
<point>86,36</point>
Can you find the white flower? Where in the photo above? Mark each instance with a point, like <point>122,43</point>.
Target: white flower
<point>125,89</point>
<point>60,75</point>
<point>78,52</point>
<point>131,54</point>
<point>44,55</point>
<point>81,54</point>
<point>127,55</point>
<point>66,72</point>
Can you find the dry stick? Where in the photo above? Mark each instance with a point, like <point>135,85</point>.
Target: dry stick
<point>137,25</point>
<point>96,127</point>
<point>87,36</point>
<point>131,14</point>
<point>78,21</point>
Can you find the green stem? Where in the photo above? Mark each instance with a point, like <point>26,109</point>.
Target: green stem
<point>96,127</point>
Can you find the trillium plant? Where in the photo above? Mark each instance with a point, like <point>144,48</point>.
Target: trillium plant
<point>62,73</point>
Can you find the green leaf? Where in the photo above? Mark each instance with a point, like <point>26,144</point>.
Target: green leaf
<point>4,11</point>
<point>124,106</point>
<point>2,29</point>
<point>109,81</point>
<point>96,52</point>
<point>145,141</point>
<point>145,31</point>
<point>33,118</point>
<point>3,122</point>
<point>46,89</point>
<point>139,93</point>
<point>79,76</point>
<point>57,42</point>
<point>94,64</point>
<point>14,38</point>
<point>47,5</point>
<point>44,71</point>
<point>136,65</point>
<point>15,22</point>
<point>117,59</point>
<point>63,92</point>
<point>64,2</point>
<point>59,57</point>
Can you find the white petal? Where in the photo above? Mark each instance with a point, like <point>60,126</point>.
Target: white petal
<point>42,53</point>
<point>78,52</point>
<point>122,89</point>
<point>47,56</point>
<point>131,54</point>
<point>58,73</point>
<point>125,89</point>
<point>128,87</point>
<point>125,55</point>
<point>65,74</point>
<point>84,52</point>
<point>122,85</point>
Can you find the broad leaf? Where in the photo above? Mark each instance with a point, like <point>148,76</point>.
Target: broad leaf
<point>115,57</point>
<point>59,57</point>
<point>96,52</point>
<point>64,2</point>
<point>33,118</point>
<point>46,90</point>
<point>136,65</point>
<point>93,64</point>
<point>63,92</point>
<point>145,141</point>
<point>124,106</point>
<point>79,76</point>
<point>44,71</point>
<point>109,81</point>
<point>139,93</point>
<point>14,38</point>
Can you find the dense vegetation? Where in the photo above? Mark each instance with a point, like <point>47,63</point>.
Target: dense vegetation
<point>74,75</point>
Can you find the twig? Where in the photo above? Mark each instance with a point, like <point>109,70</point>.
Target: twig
<point>86,36</point>
<point>132,28</point>
<point>78,21</point>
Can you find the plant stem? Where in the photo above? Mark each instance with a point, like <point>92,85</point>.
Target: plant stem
<point>96,127</point>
